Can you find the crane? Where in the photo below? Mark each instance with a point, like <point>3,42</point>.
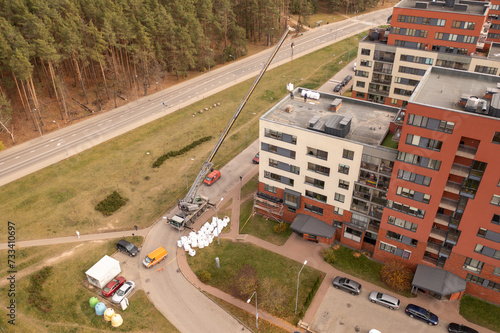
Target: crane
<point>192,205</point>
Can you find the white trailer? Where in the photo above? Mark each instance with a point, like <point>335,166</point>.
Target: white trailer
<point>103,271</point>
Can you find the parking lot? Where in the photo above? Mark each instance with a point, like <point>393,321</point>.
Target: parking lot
<point>341,312</point>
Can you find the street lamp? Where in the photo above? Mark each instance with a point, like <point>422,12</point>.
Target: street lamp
<point>217,217</point>
<point>256,313</point>
<point>234,61</point>
<point>62,139</point>
<point>185,169</point>
<point>298,278</point>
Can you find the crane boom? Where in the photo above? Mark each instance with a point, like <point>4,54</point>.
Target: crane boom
<point>189,204</point>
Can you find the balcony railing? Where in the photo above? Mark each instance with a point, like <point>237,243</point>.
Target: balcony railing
<point>432,248</point>
<point>466,151</point>
<point>369,166</point>
<point>430,260</point>
<point>442,219</point>
<point>452,187</point>
<point>448,204</point>
<point>438,234</point>
<point>361,195</point>
<point>384,59</point>
<point>444,252</point>
<point>383,70</point>
<point>358,223</point>
<point>452,238</point>
<point>379,92</point>
<point>459,170</point>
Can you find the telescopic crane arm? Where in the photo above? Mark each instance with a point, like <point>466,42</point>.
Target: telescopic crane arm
<point>207,165</point>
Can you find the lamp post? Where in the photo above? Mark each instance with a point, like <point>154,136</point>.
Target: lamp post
<point>185,170</point>
<point>62,139</point>
<point>217,217</point>
<point>234,62</point>
<point>298,278</point>
<point>256,313</point>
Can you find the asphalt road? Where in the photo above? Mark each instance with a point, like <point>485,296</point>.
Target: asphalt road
<point>31,156</point>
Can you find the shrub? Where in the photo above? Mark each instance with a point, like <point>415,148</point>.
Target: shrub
<point>111,204</point>
<point>204,276</point>
<point>35,289</point>
<point>397,276</point>
<point>280,227</point>
<point>310,297</point>
<point>159,161</point>
<point>328,255</point>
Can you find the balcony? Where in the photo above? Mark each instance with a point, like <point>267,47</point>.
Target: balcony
<point>382,70</point>
<point>379,92</point>
<point>444,252</point>
<point>448,204</point>
<point>432,248</point>
<point>381,81</point>
<point>452,187</point>
<point>358,223</point>
<point>452,238</point>
<point>374,226</point>
<point>380,200</point>
<point>384,59</point>
<point>361,195</point>
<point>369,166</point>
<point>442,219</point>
<point>430,260</point>
<point>466,151</point>
<point>459,170</point>
<point>360,208</point>
<point>438,234</point>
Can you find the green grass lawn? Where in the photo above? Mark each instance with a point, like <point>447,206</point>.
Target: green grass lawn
<point>250,187</point>
<point>69,298</point>
<point>62,196</point>
<point>480,312</point>
<point>389,142</point>
<point>277,275</point>
<point>261,227</point>
<point>248,318</point>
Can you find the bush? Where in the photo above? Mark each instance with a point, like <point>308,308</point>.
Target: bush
<point>204,276</point>
<point>280,228</point>
<point>175,153</point>
<point>36,287</point>
<point>397,276</point>
<point>328,255</point>
<point>310,297</point>
<point>111,204</point>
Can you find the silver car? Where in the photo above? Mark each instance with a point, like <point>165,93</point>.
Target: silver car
<point>124,291</point>
<point>384,299</point>
<point>346,284</point>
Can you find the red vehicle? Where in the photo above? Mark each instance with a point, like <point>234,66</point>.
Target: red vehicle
<point>113,286</point>
<point>212,177</point>
<point>255,160</point>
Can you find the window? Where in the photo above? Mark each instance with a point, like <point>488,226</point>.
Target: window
<point>414,211</point>
<point>486,70</point>
<point>316,196</point>
<point>408,193</point>
<point>344,169</point>
<point>487,251</point>
<point>338,211</point>
<point>314,209</point>
<point>280,136</point>
<point>419,160</point>
<point>270,188</point>
<point>278,178</point>
<point>365,52</point>
<point>473,265</point>
<point>339,197</point>
<point>416,140</point>
<point>496,219</point>
<point>360,84</point>
<point>337,224</point>
<point>452,37</point>
<point>496,271</point>
<point>402,223</point>
<point>278,150</point>
<point>315,182</point>
<point>414,177</point>
<point>431,123</point>
<point>353,234</point>
<point>365,63</point>
<point>474,278</point>
<point>494,286</point>
<point>349,154</point>
<point>482,232</point>
<point>387,247</point>
<point>469,39</point>
<point>496,138</point>
<point>317,153</point>
<point>291,199</point>
<point>439,35</point>
<point>360,94</point>
<point>441,23</point>
<point>344,184</point>
<point>400,238</point>
<point>495,200</point>
<point>318,168</point>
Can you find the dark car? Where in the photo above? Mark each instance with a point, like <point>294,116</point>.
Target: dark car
<point>337,88</point>
<point>127,247</point>
<point>346,284</point>
<point>113,286</point>
<point>457,328</point>
<point>255,160</point>
<point>415,311</point>
<point>346,80</point>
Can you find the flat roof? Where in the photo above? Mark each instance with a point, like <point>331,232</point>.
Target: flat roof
<point>369,121</point>
<point>444,87</point>
<point>494,53</point>
<point>458,7</point>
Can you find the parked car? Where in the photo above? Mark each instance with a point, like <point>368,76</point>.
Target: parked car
<point>415,311</point>
<point>346,80</point>
<point>255,160</point>
<point>457,328</point>
<point>123,292</point>
<point>127,247</point>
<point>354,66</point>
<point>348,285</point>
<point>337,88</point>
<point>386,300</point>
<point>212,177</point>
<point>112,286</point>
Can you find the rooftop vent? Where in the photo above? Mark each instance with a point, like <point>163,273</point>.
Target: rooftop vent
<point>421,5</point>
<point>313,121</point>
<point>476,105</point>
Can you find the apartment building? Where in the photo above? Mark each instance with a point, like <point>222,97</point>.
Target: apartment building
<point>451,34</point>
<point>419,185</point>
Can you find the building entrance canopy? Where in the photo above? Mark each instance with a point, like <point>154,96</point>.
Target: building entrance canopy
<point>437,281</point>
<point>305,224</point>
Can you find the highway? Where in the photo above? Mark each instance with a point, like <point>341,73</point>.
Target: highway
<point>36,154</point>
